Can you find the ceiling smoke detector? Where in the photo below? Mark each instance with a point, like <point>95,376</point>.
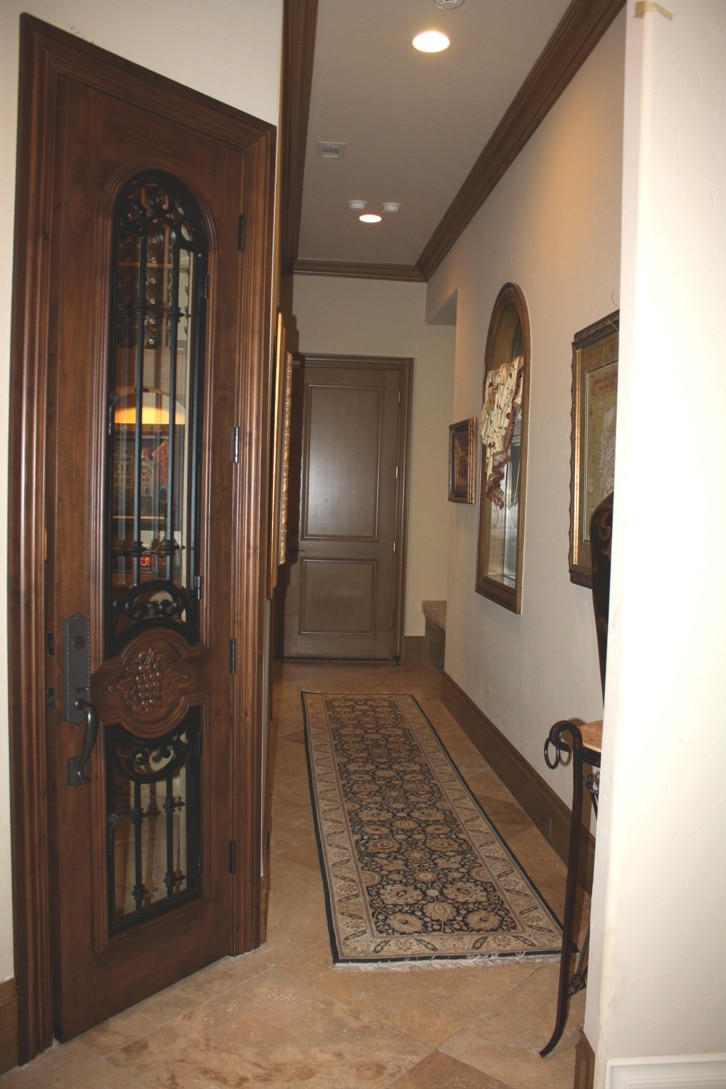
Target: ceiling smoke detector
<point>448,4</point>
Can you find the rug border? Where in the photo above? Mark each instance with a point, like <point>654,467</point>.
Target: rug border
<point>442,961</point>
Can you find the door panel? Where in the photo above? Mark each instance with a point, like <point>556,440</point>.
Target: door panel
<point>167,676</point>
<point>346,457</point>
<point>141,834</point>
<point>344,591</point>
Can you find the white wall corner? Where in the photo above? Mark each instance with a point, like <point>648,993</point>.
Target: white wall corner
<point>667,1072</point>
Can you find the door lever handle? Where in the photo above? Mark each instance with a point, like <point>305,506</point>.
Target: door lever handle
<point>78,774</point>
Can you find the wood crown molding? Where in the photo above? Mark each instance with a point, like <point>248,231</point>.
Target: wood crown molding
<point>358,271</point>
<point>574,39</point>
<point>577,34</point>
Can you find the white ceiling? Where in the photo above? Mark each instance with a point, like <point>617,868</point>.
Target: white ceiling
<point>413,124</point>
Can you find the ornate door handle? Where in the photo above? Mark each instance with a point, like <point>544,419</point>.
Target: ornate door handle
<point>78,774</point>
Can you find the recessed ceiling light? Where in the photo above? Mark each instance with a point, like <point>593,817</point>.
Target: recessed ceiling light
<point>357,205</point>
<point>370,217</point>
<point>448,4</point>
<point>391,206</point>
<point>431,41</point>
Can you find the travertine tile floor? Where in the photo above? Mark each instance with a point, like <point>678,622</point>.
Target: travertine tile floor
<point>283,1016</point>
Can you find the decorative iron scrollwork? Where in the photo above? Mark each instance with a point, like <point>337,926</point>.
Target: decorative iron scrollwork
<point>155,599</point>
<point>153,821</point>
<point>150,761</point>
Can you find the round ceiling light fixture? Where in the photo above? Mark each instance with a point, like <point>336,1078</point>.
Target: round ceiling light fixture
<point>370,217</point>
<point>448,5</point>
<point>431,41</point>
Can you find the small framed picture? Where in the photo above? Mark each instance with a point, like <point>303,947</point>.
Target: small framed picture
<point>462,461</point>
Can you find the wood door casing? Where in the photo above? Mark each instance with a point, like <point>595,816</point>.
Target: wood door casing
<point>70,103</point>
<point>344,597</point>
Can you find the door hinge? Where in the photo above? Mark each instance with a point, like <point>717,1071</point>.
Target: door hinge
<point>50,643</point>
<point>233,856</point>
<point>241,229</point>
<point>396,472</point>
<point>50,698</point>
<point>197,862</point>
<point>234,454</point>
<point>197,586</point>
<point>394,547</point>
<point>205,286</point>
<point>233,655</point>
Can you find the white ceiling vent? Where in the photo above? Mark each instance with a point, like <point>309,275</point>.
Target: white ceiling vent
<point>445,4</point>
<point>330,149</point>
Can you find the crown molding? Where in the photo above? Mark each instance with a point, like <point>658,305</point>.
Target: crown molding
<point>358,271</point>
<point>574,39</point>
<point>580,29</point>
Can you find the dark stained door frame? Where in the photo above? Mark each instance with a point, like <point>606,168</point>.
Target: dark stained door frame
<point>49,58</point>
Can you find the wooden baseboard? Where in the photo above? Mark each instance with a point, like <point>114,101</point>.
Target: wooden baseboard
<point>542,805</point>
<point>584,1064</point>
<point>414,648</point>
<point>8,1026</point>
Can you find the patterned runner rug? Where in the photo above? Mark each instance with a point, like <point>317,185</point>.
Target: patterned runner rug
<point>413,869</point>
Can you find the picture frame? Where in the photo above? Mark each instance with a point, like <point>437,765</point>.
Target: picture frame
<point>276,454</point>
<point>284,473</point>
<point>594,416</point>
<point>462,461</point>
<point>504,443</point>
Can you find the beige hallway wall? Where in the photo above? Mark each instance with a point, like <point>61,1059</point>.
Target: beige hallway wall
<point>552,226</point>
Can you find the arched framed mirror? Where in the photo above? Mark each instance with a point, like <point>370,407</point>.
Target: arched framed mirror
<point>503,432</point>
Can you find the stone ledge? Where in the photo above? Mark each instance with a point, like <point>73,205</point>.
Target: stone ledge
<point>435,611</point>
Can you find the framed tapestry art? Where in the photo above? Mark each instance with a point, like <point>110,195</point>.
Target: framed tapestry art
<point>505,403</point>
<point>594,413</point>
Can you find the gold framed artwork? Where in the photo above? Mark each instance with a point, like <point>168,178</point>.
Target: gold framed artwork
<point>594,414</point>
<point>462,461</point>
<point>280,455</point>
<point>284,474</point>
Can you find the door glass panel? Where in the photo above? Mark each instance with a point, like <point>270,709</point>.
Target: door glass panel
<point>152,538</point>
<point>152,562</point>
<point>153,822</point>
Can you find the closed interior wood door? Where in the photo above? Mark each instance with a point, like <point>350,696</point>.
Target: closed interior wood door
<point>345,589</point>
<point>148,722</point>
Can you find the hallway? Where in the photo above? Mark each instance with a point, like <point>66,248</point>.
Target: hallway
<point>283,1016</point>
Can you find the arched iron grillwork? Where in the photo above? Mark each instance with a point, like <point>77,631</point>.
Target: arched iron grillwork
<point>160,253</point>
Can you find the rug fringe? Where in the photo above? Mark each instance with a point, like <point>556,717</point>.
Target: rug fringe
<point>441,963</point>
